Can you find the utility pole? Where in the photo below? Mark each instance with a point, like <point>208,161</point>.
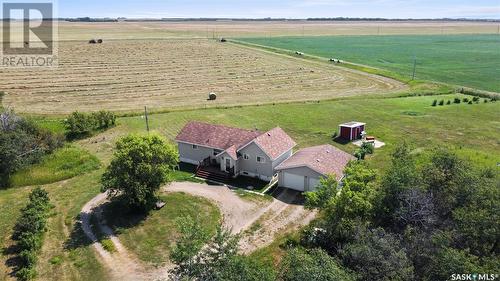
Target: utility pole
<point>414,66</point>
<point>146,116</point>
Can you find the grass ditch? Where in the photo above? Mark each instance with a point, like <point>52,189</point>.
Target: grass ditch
<point>62,164</point>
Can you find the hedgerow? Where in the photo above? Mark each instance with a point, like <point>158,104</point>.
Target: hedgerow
<point>29,231</point>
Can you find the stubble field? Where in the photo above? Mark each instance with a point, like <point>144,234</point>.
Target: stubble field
<point>125,75</point>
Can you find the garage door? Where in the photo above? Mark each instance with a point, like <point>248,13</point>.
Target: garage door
<point>313,183</point>
<point>293,181</point>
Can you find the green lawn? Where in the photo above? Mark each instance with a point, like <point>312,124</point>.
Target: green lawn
<point>473,130</point>
<point>152,238</point>
<point>62,164</point>
<point>65,254</point>
<point>467,60</point>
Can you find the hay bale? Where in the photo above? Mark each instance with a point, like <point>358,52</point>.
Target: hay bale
<point>99,41</point>
<point>212,96</point>
<point>223,40</point>
<point>92,41</point>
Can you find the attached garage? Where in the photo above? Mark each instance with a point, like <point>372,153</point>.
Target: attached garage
<point>293,181</point>
<point>303,170</point>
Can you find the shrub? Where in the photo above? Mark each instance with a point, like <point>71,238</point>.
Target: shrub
<point>465,100</point>
<point>434,103</point>
<point>441,102</point>
<point>80,125</point>
<point>26,274</point>
<point>456,100</point>
<point>448,102</point>
<point>29,231</point>
<point>475,99</point>
<point>367,147</point>
<point>485,101</point>
<point>103,119</point>
<point>470,102</point>
<point>22,143</point>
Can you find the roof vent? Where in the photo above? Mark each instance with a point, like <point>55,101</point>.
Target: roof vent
<point>317,160</point>
<point>328,151</point>
<point>269,134</point>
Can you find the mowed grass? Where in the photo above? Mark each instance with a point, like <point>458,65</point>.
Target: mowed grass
<point>126,75</point>
<point>466,60</point>
<point>64,163</point>
<point>65,254</point>
<point>152,238</point>
<point>473,130</point>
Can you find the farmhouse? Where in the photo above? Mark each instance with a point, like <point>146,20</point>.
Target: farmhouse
<point>303,170</point>
<point>233,151</point>
<point>222,152</point>
<point>351,130</point>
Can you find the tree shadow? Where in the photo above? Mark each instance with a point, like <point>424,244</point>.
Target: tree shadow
<point>13,261</point>
<point>77,238</point>
<point>118,217</point>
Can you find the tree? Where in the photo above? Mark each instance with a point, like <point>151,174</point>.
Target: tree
<point>140,165</point>
<point>22,143</point>
<point>450,180</point>
<point>402,175</point>
<point>352,206</point>
<point>324,194</point>
<point>192,239</point>
<point>301,264</point>
<point>377,255</point>
<point>478,220</point>
<point>78,125</point>
<point>218,260</point>
<point>416,208</point>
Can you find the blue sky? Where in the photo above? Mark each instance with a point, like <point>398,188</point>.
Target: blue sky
<point>283,8</point>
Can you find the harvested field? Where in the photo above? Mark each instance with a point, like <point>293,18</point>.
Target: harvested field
<point>210,29</point>
<point>126,75</point>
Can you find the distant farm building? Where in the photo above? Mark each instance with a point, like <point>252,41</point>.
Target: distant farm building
<point>351,130</point>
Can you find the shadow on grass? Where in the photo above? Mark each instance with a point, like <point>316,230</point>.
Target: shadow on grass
<point>77,238</point>
<point>341,140</point>
<point>118,217</point>
<point>12,261</point>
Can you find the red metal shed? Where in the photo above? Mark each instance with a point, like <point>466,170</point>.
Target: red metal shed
<point>351,130</point>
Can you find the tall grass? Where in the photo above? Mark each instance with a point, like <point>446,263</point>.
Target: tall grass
<point>64,163</point>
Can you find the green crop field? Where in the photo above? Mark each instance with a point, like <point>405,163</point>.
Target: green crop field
<point>467,60</point>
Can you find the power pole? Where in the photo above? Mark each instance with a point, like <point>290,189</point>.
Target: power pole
<point>146,116</point>
<point>414,67</point>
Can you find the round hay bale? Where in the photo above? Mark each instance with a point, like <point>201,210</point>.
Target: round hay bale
<point>99,41</point>
<point>212,96</point>
<point>92,41</point>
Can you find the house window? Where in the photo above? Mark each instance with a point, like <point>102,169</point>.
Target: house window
<point>246,156</point>
<point>195,146</point>
<point>260,159</point>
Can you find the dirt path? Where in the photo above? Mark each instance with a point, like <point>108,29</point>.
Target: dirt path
<point>269,219</point>
<point>282,214</point>
<point>123,265</point>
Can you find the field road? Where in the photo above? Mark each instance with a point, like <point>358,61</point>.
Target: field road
<point>277,216</point>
